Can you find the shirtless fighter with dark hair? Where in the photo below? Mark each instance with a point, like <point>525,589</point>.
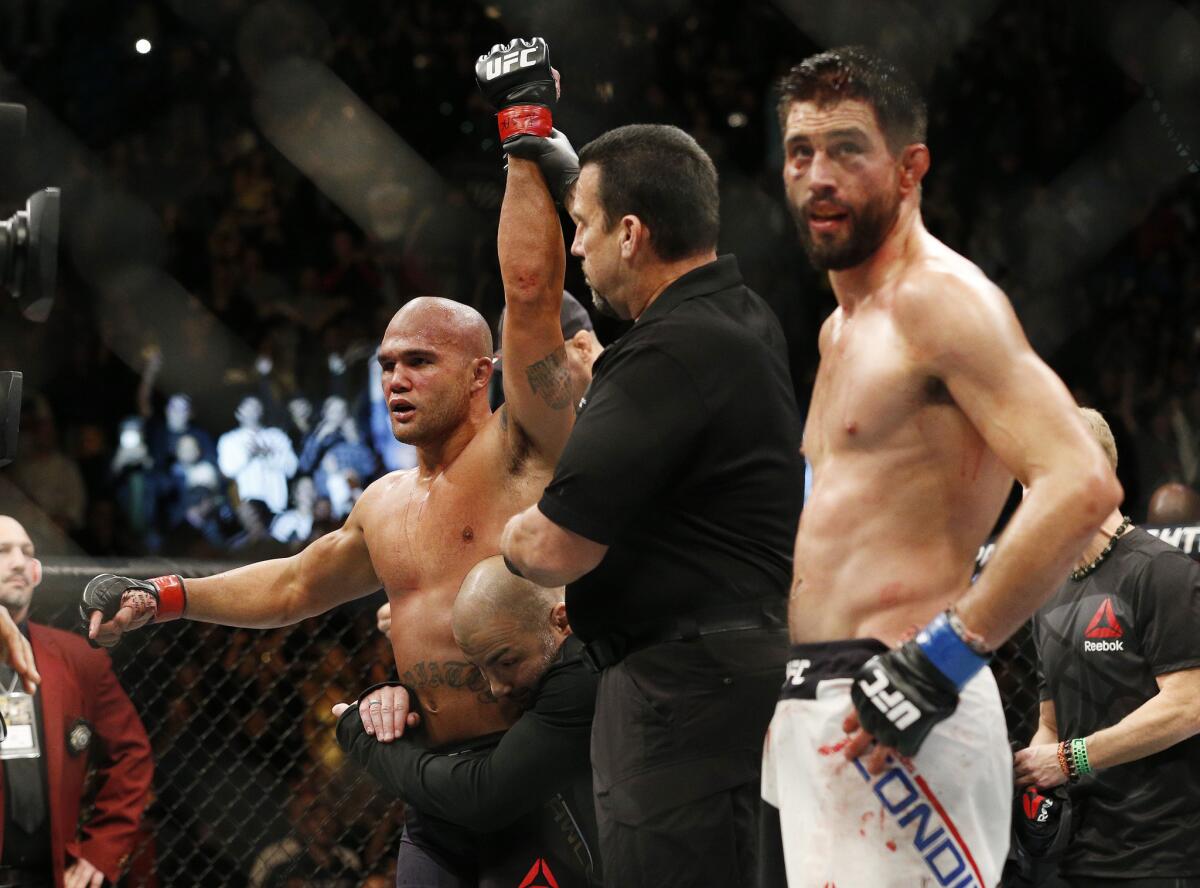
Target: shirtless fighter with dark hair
<point>418,532</point>
<point>928,401</point>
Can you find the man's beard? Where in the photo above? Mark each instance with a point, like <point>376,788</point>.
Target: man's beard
<point>867,230</point>
<point>602,305</point>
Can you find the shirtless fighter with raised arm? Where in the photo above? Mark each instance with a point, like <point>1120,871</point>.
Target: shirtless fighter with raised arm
<point>418,532</point>
<point>887,758</point>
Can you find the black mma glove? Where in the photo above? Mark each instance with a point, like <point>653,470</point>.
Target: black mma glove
<point>516,78</point>
<point>555,158</point>
<point>155,600</point>
<point>900,695</point>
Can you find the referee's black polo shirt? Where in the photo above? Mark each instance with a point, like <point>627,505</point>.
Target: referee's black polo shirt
<point>684,460</point>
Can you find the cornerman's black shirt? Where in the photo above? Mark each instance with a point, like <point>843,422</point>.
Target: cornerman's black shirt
<point>684,460</point>
<point>1101,642</point>
<point>544,753</point>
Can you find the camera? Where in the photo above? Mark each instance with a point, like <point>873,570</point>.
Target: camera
<point>28,266</point>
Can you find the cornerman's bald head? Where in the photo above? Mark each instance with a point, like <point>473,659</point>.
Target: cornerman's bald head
<point>443,322</point>
<point>510,628</point>
<point>490,592</point>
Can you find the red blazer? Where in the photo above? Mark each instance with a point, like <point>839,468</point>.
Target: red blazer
<point>78,683</point>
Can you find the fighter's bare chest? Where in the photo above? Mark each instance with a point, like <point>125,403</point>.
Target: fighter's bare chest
<point>436,533</point>
<point>868,386</point>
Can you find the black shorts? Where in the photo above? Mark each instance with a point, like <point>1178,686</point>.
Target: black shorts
<point>552,843</point>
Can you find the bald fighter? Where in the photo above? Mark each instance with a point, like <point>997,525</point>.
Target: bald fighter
<point>528,792</point>
<point>418,532</point>
<point>887,758</point>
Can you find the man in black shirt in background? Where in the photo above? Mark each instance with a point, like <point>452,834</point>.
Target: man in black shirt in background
<point>1119,682</point>
<point>671,514</point>
<point>512,802</point>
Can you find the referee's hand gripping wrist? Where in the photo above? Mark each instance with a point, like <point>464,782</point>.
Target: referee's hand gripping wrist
<point>900,695</point>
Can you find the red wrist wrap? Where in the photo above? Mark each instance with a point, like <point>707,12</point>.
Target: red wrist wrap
<point>172,598</point>
<point>520,120</point>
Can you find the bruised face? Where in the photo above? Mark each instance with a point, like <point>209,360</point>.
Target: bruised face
<point>842,181</point>
<point>428,379</point>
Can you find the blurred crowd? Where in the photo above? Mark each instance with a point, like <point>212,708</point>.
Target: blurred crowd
<point>222,402</point>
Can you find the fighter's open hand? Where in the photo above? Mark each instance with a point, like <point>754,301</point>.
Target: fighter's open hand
<point>861,742</point>
<point>385,712</point>
<point>1038,766</point>
<point>81,874</point>
<point>15,650</point>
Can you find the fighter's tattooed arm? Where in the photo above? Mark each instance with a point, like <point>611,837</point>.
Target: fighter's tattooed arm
<point>457,674</point>
<point>550,379</point>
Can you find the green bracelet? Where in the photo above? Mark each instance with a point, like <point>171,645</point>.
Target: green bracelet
<point>1080,755</point>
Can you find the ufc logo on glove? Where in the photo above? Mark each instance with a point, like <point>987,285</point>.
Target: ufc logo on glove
<point>893,704</point>
<point>503,64</point>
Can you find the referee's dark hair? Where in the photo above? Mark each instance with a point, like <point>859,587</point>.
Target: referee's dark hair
<point>661,175</point>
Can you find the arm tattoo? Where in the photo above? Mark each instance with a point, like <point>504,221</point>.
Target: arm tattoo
<point>452,674</point>
<point>551,380</point>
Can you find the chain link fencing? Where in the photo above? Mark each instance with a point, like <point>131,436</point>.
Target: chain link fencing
<point>250,787</point>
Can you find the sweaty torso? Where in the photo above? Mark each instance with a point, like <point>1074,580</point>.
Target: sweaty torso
<point>424,536</point>
<point>904,488</point>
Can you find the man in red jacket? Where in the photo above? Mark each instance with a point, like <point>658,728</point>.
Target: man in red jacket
<point>78,710</point>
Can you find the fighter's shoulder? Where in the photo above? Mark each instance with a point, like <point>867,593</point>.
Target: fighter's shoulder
<point>385,490</point>
<point>946,295</point>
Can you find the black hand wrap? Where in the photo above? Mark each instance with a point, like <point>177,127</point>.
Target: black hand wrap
<point>516,78</point>
<point>555,158</point>
<point>900,696</point>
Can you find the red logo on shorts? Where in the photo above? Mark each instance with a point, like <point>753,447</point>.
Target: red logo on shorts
<point>1104,624</point>
<point>540,867</point>
<point>1032,802</point>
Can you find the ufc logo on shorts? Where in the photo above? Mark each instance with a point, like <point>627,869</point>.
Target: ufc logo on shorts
<point>498,65</point>
<point>795,672</point>
<point>893,704</point>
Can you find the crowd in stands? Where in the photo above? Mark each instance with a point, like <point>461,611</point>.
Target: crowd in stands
<point>233,413</point>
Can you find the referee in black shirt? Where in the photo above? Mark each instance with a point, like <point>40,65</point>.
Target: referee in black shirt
<point>1119,679</point>
<point>671,515</point>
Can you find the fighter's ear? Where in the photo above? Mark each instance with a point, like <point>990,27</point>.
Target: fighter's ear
<point>482,375</point>
<point>558,617</point>
<point>35,571</point>
<point>914,164</point>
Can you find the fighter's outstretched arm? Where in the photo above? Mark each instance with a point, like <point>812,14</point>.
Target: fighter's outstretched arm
<point>537,377</point>
<point>970,338</point>
<point>330,571</point>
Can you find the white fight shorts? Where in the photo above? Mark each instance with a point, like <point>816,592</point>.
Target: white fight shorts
<point>939,819</point>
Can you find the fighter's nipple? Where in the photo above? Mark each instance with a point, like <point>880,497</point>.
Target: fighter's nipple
<point>468,534</point>
<point>851,427</point>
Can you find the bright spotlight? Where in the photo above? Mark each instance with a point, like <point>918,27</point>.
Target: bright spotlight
<point>142,46</point>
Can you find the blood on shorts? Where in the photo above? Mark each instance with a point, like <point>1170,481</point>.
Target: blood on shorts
<point>835,748</point>
<point>891,846</point>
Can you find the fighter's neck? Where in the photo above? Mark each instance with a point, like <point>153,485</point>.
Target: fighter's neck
<point>434,458</point>
<point>903,243</point>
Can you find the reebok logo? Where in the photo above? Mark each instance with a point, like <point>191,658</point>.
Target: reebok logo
<point>1104,624</point>
<point>539,868</point>
<point>795,672</point>
<point>1037,806</point>
<point>1104,645</point>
